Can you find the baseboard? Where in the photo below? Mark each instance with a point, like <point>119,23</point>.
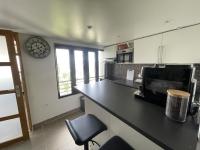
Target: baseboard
<point>71,112</point>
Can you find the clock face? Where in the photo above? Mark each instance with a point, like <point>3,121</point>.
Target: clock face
<point>37,47</point>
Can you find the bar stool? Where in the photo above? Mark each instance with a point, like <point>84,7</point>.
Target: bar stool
<point>116,143</point>
<point>84,128</point>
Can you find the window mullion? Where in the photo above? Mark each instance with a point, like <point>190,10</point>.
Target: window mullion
<point>72,68</point>
<point>86,67</point>
<point>96,66</point>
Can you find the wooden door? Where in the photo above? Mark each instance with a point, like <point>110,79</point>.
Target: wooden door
<point>13,119</point>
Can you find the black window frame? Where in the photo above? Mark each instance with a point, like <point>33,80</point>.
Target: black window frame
<point>71,49</point>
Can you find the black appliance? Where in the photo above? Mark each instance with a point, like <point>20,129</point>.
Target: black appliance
<point>124,56</point>
<point>156,82</point>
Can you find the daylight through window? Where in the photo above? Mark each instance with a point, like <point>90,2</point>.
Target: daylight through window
<point>63,72</point>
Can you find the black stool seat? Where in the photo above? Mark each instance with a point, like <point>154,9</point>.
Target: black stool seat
<point>116,143</point>
<point>84,128</point>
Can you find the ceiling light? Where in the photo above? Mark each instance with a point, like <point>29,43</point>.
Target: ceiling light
<point>89,26</point>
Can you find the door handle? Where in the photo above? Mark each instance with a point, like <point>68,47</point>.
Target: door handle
<point>17,89</point>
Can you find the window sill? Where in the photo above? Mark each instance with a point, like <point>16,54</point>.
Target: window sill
<point>64,96</point>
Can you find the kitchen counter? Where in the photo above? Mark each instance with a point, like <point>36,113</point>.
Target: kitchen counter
<point>127,83</point>
<point>146,118</point>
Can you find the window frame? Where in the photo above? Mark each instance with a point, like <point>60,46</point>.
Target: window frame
<point>71,49</point>
<point>57,76</point>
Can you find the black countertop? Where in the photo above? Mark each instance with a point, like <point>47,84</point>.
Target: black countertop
<point>148,119</point>
<point>128,83</point>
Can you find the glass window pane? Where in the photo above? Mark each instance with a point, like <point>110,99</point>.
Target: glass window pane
<point>101,64</point>
<point>65,88</point>
<point>4,57</point>
<point>8,105</point>
<point>78,56</point>
<point>92,69</point>
<point>64,76</point>
<point>10,129</point>
<point>6,80</point>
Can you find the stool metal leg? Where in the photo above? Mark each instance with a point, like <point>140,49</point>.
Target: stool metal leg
<point>95,142</point>
<point>86,147</point>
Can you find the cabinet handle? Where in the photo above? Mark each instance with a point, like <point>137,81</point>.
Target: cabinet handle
<point>158,54</point>
<point>161,53</point>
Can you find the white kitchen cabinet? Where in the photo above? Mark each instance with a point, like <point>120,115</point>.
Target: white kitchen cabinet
<point>110,52</point>
<point>146,49</point>
<point>182,46</point>
<point>179,46</point>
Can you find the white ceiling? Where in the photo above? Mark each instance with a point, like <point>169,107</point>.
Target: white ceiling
<point>112,20</point>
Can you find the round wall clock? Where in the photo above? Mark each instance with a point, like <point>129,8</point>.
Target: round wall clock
<point>37,47</point>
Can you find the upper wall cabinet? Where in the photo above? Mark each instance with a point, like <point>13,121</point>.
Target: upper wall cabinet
<point>179,46</point>
<point>110,52</point>
<point>146,50</point>
<point>182,46</point>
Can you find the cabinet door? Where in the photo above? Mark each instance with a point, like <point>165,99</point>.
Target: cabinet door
<point>110,52</point>
<point>183,46</point>
<point>146,49</point>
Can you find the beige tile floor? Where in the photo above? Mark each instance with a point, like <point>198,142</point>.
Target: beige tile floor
<point>51,136</point>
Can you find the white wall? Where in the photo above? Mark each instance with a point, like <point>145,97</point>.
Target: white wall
<point>41,83</point>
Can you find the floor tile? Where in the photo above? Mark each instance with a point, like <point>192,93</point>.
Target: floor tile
<point>51,136</point>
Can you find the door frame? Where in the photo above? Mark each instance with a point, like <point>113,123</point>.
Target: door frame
<point>27,107</point>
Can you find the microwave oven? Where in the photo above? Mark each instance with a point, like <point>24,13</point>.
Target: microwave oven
<point>124,56</point>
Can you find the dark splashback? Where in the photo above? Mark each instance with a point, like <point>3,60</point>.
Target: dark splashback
<point>118,71</point>
<point>114,71</point>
